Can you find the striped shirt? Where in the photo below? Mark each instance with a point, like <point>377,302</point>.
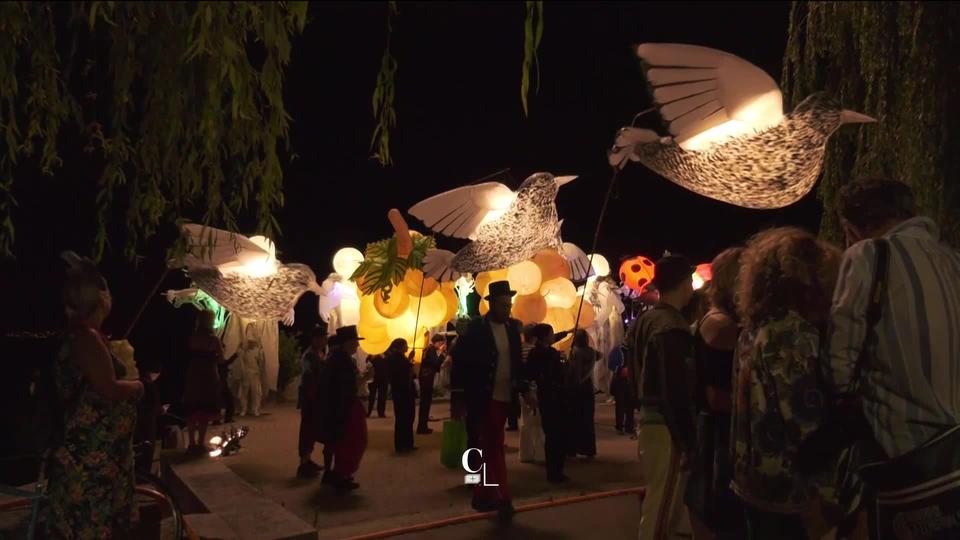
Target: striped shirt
<point>911,384</point>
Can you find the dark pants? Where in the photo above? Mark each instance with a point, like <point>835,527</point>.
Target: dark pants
<point>404,408</point>
<point>307,435</point>
<point>513,414</point>
<point>226,396</point>
<point>554,438</point>
<point>426,399</point>
<point>624,405</point>
<point>765,525</point>
<point>378,393</point>
<point>494,459</point>
<point>583,437</point>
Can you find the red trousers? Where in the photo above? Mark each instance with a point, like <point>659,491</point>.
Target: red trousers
<point>348,451</point>
<point>494,459</point>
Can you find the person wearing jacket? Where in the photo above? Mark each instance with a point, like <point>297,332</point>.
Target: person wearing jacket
<point>400,372</point>
<point>345,425</point>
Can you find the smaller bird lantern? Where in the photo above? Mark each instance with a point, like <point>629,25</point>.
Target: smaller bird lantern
<point>637,273</point>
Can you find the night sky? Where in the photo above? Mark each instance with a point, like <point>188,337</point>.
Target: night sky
<point>460,119</point>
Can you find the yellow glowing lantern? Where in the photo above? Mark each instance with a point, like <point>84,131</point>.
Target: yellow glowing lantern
<point>374,347</point>
<point>484,307</point>
<point>529,309</point>
<point>559,318</point>
<point>552,265</point>
<point>402,326</point>
<point>524,277</point>
<point>558,293</point>
<point>587,314</point>
<point>416,285</point>
<point>432,309</point>
<point>484,279</point>
<point>373,330</point>
<point>346,261</point>
<point>368,312</point>
<point>394,307</point>
<point>564,344</point>
<point>601,266</point>
<point>450,296</point>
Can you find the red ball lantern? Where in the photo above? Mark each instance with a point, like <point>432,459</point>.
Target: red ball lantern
<point>637,273</point>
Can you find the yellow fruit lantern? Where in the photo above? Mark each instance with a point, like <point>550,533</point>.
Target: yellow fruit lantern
<point>559,293</point>
<point>394,307</point>
<point>552,265</point>
<point>433,308</point>
<point>484,279</point>
<point>450,296</point>
<point>559,318</point>
<point>374,347</point>
<point>416,285</point>
<point>587,314</point>
<point>524,277</point>
<point>484,307</point>
<point>529,309</point>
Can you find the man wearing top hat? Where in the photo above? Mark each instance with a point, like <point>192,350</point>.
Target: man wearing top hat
<point>488,358</point>
<point>345,427</point>
<point>661,373</point>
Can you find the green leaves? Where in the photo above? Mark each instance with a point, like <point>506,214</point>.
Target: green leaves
<point>383,98</point>
<point>382,269</point>
<point>532,34</point>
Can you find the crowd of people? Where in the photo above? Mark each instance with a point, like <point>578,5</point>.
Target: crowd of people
<point>741,407</point>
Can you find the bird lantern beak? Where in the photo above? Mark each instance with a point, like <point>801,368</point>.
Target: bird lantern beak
<point>561,180</point>
<point>852,117</point>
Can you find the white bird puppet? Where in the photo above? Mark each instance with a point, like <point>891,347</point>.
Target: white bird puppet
<point>505,227</point>
<point>243,274</point>
<point>729,138</point>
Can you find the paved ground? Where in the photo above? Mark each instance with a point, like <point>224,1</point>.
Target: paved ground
<point>397,491</point>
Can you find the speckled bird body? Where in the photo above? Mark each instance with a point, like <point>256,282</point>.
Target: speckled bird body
<point>267,297</point>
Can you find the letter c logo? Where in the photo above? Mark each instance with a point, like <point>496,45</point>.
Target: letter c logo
<point>465,460</point>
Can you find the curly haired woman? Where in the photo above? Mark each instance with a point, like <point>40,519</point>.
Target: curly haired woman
<point>783,299</point>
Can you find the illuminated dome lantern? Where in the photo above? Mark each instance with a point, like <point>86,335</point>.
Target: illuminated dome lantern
<point>433,308</point>
<point>559,293</point>
<point>587,313</point>
<point>484,279</point>
<point>524,277</point>
<point>552,265</point>
<point>601,266</point>
<point>529,309</point>
<point>346,261</point>
<point>560,319</point>
<point>637,273</point>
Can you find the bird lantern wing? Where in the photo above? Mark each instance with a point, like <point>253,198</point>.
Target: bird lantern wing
<point>709,96</point>
<point>215,247</point>
<point>461,212</point>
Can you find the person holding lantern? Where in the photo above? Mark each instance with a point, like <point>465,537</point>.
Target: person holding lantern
<point>488,357</point>
<point>661,372</point>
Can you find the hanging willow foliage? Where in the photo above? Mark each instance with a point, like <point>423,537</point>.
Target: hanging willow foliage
<point>896,61</point>
<point>532,34</point>
<point>383,97</point>
<point>194,105</point>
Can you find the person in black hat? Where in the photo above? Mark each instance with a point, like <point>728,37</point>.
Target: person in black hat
<point>433,358</point>
<point>661,371</point>
<point>488,357</point>
<point>545,368</point>
<point>346,417</point>
<point>314,361</point>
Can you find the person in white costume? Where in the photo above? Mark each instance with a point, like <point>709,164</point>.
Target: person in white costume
<point>248,372</point>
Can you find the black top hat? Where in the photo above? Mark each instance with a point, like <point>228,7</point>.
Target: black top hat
<point>499,288</point>
<point>347,333</point>
<point>670,271</point>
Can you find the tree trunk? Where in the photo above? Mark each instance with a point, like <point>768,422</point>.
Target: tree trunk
<point>900,63</point>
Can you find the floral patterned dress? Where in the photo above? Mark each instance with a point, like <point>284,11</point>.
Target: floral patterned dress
<point>777,403</point>
<point>90,486</point>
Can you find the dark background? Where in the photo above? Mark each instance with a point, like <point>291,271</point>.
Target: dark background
<point>460,119</point>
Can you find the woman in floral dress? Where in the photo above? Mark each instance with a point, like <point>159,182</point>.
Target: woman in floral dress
<point>90,467</point>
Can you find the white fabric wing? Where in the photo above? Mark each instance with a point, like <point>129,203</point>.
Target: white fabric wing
<point>460,212</point>
<point>579,262</point>
<point>216,247</point>
<point>708,96</point>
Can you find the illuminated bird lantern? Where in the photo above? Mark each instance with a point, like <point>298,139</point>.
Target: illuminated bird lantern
<point>637,273</point>
<point>729,138</point>
<point>243,274</point>
<point>504,227</point>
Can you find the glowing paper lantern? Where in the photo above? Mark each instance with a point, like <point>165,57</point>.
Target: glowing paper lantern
<point>402,326</point>
<point>373,331</point>
<point>524,277</point>
<point>702,275</point>
<point>432,309</point>
<point>587,313</point>
<point>601,266</point>
<point>450,296</point>
<point>552,265</point>
<point>637,273</point>
<point>558,293</point>
<point>529,309</point>
<point>732,123</point>
<point>416,285</point>
<point>564,344</point>
<point>395,306</point>
<point>559,318</point>
<point>346,261</point>
<point>484,307</point>
<point>484,279</point>
<point>373,347</point>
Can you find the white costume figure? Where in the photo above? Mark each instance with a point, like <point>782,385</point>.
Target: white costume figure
<point>247,374</point>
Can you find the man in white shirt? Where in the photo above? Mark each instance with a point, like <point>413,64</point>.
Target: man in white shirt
<point>488,358</point>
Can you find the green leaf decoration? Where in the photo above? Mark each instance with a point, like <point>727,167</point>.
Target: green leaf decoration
<point>383,97</point>
<point>382,270</point>
<point>532,34</point>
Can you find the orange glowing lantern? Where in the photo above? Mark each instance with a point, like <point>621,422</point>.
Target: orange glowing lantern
<point>702,275</point>
<point>637,273</point>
